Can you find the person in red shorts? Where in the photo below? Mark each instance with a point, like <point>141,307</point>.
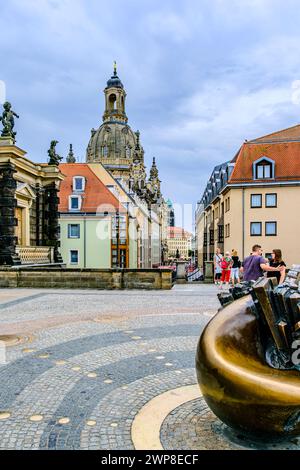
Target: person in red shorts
<point>226,264</point>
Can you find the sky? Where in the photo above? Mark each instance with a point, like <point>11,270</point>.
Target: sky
<point>201,76</point>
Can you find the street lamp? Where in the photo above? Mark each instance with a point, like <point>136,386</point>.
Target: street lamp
<point>118,237</point>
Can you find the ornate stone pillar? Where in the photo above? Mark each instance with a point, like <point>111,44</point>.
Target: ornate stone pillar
<point>52,217</point>
<point>8,222</point>
<point>39,214</point>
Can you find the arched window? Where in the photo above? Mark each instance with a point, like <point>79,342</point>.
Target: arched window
<point>112,99</point>
<point>264,168</point>
<point>105,151</point>
<point>127,151</point>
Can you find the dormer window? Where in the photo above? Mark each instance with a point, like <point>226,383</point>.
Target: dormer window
<point>263,169</point>
<point>78,183</point>
<point>74,203</point>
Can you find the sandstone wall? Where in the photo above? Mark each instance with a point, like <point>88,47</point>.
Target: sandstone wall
<point>86,278</point>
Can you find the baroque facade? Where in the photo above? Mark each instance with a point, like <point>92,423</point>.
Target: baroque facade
<point>253,198</point>
<point>28,208</point>
<point>118,147</point>
<point>115,170</point>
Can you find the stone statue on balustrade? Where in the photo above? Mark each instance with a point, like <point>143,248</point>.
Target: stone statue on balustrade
<point>54,158</point>
<point>8,122</point>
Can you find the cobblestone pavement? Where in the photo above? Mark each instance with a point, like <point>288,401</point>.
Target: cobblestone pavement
<point>84,368</point>
<point>89,361</point>
<point>193,426</point>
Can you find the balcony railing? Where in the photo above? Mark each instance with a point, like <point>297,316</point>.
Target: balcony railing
<point>35,254</point>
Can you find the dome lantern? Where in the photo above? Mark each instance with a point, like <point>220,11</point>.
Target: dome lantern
<point>115,96</point>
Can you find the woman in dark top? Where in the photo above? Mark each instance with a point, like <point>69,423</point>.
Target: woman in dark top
<point>276,261</point>
<point>235,268</point>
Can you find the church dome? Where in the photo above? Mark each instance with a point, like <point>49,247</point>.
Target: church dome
<point>115,82</point>
<point>113,140</point>
<point>114,144</point>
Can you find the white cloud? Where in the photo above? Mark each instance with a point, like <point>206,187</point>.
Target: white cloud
<point>168,24</point>
<point>221,113</point>
<point>200,76</point>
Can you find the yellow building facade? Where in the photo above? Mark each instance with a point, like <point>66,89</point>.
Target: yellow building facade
<point>253,199</point>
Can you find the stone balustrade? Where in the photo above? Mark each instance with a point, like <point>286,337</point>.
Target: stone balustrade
<point>35,254</point>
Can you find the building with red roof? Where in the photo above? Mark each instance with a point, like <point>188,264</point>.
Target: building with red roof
<point>254,199</point>
<point>93,223</point>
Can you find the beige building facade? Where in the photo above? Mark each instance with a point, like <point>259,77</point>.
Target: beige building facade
<point>272,227</point>
<point>181,240</point>
<point>254,199</point>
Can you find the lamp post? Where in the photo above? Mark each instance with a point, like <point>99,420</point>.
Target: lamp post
<point>118,237</point>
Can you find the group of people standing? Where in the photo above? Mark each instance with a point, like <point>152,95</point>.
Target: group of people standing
<point>228,268</point>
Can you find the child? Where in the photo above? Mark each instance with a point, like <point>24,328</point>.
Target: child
<point>226,264</point>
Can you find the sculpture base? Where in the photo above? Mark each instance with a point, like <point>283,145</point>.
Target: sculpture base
<point>6,140</point>
<point>180,271</point>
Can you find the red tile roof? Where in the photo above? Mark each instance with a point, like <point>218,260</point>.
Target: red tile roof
<point>291,134</point>
<point>178,232</point>
<point>286,156</point>
<point>94,195</point>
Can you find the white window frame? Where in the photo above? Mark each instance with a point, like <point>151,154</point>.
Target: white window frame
<point>82,178</point>
<point>69,231</point>
<point>73,196</point>
<point>268,161</point>
<point>70,259</point>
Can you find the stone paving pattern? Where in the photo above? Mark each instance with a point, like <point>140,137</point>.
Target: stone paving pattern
<point>193,426</point>
<point>90,361</point>
<point>93,360</point>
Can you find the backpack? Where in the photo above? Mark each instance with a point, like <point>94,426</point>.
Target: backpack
<point>224,264</point>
